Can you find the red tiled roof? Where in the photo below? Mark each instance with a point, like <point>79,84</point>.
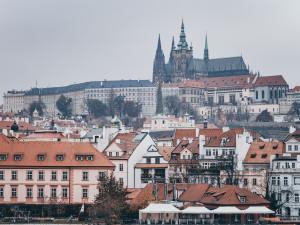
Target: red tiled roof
<point>209,126</point>
<point>295,89</point>
<point>44,135</point>
<point>23,126</point>
<point>235,82</point>
<point>125,142</point>
<point>191,83</point>
<point>260,152</point>
<point>230,195</point>
<point>270,80</point>
<point>184,133</point>
<point>295,135</point>
<point>230,137</point>
<point>191,192</point>
<point>165,152</point>
<point>31,150</point>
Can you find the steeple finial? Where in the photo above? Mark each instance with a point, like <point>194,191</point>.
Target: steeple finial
<point>206,57</point>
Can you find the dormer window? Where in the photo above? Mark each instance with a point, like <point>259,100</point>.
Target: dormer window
<point>215,199</point>
<point>264,156</point>
<point>89,158</point>
<point>110,154</point>
<point>59,157</point>
<point>79,157</point>
<point>41,157</point>
<point>3,157</point>
<point>117,154</point>
<point>243,199</point>
<point>17,157</point>
<point>253,156</point>
<point>262,146</point>
<point>275,147</point>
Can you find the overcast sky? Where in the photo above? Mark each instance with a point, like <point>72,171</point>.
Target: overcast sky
<point>59,42</point>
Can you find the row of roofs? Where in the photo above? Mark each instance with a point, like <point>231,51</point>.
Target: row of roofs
<point>230,82</point>
<point>90,85</point>
<point>228,195</point>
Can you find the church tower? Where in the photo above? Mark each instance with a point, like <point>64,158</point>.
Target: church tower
<point>206,58</point>
<point>159,71</point>
<point>181,58</point>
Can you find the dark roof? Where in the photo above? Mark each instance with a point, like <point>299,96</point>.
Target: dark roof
<point>161,134</point>
<point>220,64</point>
<point>90,85</point>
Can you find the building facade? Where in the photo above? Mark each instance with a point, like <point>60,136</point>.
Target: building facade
<point>13,101</point>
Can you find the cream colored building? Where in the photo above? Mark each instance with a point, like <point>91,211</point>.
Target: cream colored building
<point>13,101</point>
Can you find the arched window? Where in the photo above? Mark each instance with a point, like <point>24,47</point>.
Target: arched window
<point>275,93</point>
<point>256,94</point>
<point>287,211</point>
<point>271,94</point>
<point>262,94</point>
<point>280,96</point>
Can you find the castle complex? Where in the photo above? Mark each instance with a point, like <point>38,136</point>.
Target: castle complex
<point>182,65</point>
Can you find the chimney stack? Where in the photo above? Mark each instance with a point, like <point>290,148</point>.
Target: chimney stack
<point>166,191</point>
<point>174,191</point>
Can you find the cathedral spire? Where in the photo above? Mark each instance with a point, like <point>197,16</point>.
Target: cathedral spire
<point>206,58</point>
<point>182,42</point>
<point>158,45</point>
<point>172,48</point>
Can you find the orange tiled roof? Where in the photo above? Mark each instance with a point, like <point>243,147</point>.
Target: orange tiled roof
<point>31,150</point>
<point>229,135</point>
<point>260,152</point>
<point>165,152</point>
<point>191,83</point>
<point>270,80</point>
<point>126,144</point>
<point>209,126</point>
<point>230,195</point>
<point>236,82</point>
<point>184,133</point>
<point>295,135</point>
<point>295,89</point>
<point>44,135</point>
<point>23,126</point>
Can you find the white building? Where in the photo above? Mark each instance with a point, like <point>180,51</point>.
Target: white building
<point>125,151</point>
<point>13,101</point>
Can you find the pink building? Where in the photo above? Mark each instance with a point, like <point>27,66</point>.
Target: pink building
<point>43,172</point>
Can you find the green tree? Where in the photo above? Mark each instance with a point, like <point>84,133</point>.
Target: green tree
<point>96,108</point>
<point>110,204</point>
<point>295,109</point>
<point>111,103</point>
<point>119,104</point>
<point>132,109</point>
<point>159,101</point>
<point>173,104</point>
<point>264,116</point>
<point>37,105</point>
<point>63,104</point>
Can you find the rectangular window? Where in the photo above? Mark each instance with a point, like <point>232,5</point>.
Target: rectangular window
<point>65,192</point>
<point>117,154</point>
<point>3,157</point>
<point>53,175</point>
<point>121,181</point>
<point>290,147</point>
<point>297,198</point>
<point>41,157</point>
<point>254,181</point>
<point>296,147</point>
<point>85,176</point>
<point>1,192</point>
<point>296,180</point>
<point>65,175</point>
<point>287,197</point>
<point>120,167</point>
<point>293,165</point>
<point>41,175</point>
<point>29,192</point>
<point>101,175</point>
<point>40,192</point>
<point>29,175</point>
<point>1,175</point>
<point>79,158</point>
<point>89,158</point>
<point>245,181</point>
<point>84,192</point>
<point>14,175</point>
<point>285,181</point>
<point>278,180</point>
<point>148,160</point>
<point>53,192</point>
<point>273,180</point>
<point>59,157</point>
<point>157,160</point>
<point>13,192</point>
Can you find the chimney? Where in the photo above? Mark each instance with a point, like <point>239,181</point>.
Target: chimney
<point>292,129</point>
<point>166,191</point>
<point>190,140</point>
<point>225,129</point>
<point>155,190</point>
<point>248,80</point>
<point>174,191</point>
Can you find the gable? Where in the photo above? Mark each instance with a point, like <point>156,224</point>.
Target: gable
<point>114,148</point>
